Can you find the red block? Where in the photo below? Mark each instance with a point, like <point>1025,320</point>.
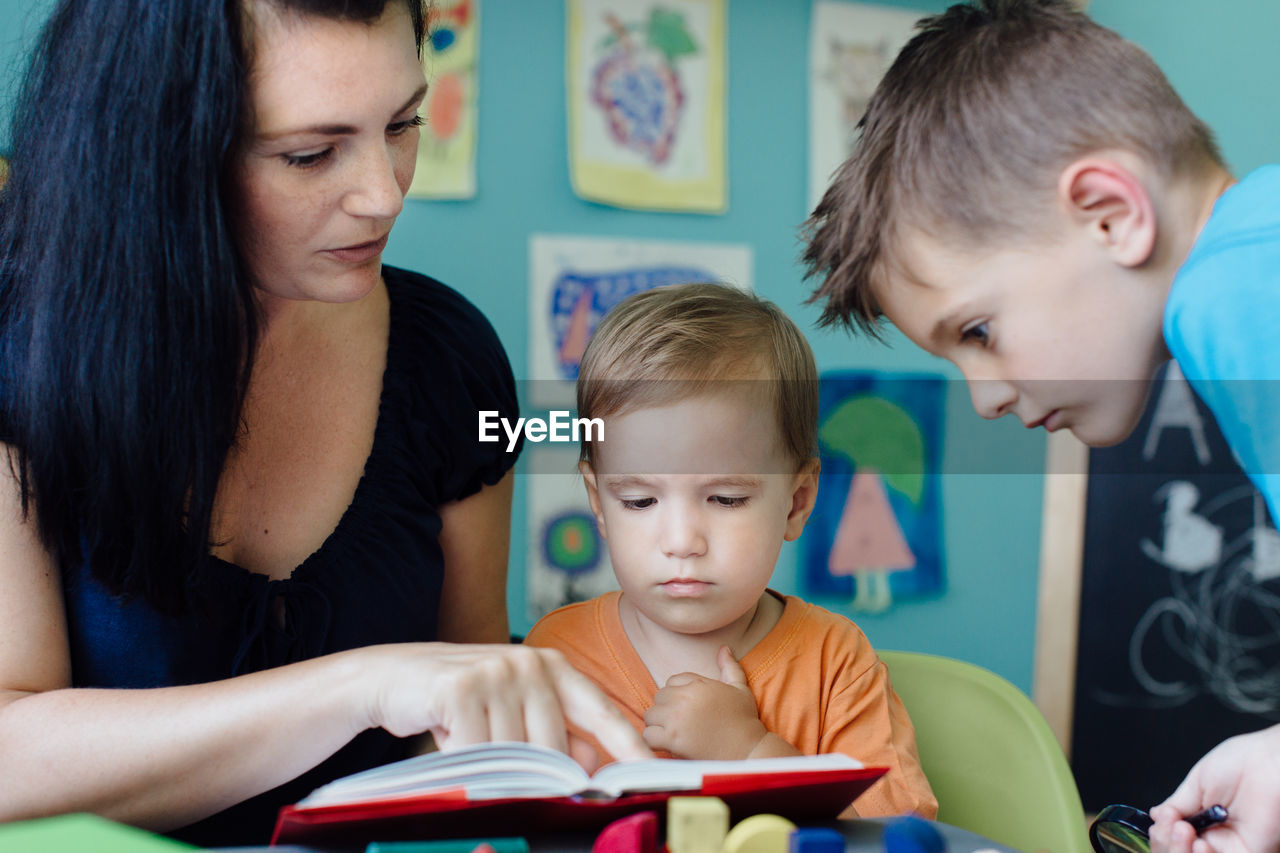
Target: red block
<point>637,833</point>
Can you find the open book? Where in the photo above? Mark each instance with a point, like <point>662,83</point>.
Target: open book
<point>519,789</point>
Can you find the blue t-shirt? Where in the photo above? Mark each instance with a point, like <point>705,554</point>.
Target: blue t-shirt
<point>1222,324</point>
<point>375,579</point>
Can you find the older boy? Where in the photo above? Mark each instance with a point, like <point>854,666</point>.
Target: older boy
<point>1031,200</point>
<point>709,400</point>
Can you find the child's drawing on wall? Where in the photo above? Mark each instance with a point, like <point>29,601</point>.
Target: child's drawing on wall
<point>850,47</point>
<point>447,142</point>
<point>646,90</point>
<point>567,559</point>
<point>875,533</point>
<point>574,281</point>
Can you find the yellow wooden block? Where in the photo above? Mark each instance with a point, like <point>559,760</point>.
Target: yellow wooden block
<point>761,833</point>
<point>696,824</point>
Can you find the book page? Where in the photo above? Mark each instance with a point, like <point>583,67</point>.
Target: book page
<point>486,771</point>
<point>672,774</point>
<point>502,770</point>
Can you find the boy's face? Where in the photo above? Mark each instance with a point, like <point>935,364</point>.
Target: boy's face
<point>1055,333</point>
<point>695,499</point>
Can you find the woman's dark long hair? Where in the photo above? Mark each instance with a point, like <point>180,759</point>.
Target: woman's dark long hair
<point>127,320</point>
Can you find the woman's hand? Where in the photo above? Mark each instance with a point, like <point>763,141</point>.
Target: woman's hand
<point>1241,773</point>
<point>465,694</point>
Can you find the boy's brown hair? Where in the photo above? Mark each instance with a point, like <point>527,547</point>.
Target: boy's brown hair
<point>967,133</point>
<point>672,343</point>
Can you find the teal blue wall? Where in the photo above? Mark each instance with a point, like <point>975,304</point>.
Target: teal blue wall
<point>1222,59</point>
<point>1215,54</point>
<point>20,21</point>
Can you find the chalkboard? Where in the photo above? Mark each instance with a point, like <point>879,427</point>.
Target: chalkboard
<point>1178,642</point>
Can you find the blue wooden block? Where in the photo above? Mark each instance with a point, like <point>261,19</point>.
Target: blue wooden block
<point>913,835</point>
<point>816,839</point>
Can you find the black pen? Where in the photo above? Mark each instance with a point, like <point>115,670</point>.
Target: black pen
<point>1201,821</point>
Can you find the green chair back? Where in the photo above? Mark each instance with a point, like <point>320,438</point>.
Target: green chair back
<point>991,758</point>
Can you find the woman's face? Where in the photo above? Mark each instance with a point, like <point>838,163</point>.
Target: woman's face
<point>330,152</point>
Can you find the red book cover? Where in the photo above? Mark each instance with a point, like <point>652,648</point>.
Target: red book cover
<point>807,789</point>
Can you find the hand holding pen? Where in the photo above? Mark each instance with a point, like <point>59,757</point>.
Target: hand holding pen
<point>1168,833</point>
<point>1243,775</point>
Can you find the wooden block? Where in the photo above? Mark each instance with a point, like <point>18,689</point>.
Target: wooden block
<point>913,835</point>
<point>696,824</point>
<point>637,833</point>
<point>457,845</point>
<point>761,833</point>
<point>816,839</point>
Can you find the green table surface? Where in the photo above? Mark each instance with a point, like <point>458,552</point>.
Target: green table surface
<point>81,833</point>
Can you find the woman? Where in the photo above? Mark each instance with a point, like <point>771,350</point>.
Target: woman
<point>244,474</point>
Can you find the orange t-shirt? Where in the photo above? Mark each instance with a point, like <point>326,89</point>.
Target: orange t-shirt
<point>816,680</point>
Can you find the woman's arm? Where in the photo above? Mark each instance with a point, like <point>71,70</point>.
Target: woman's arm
<point>160,758</point>
<point>165,757</point>
<point>476,540</point>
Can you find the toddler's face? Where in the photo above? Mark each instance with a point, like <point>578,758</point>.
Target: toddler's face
<point>695,499</point>
<point>1055,333</point>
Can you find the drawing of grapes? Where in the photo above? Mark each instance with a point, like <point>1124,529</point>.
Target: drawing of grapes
<point>637,83</point>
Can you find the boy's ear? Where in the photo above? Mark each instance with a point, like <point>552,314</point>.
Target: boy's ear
<point>593,495</point>
<point>804,492</point>
<point>1112,202</point>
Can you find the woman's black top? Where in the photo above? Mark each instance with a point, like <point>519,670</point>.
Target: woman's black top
<point>376,578</point>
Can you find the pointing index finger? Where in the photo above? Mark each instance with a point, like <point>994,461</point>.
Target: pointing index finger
<point>588,708</point>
